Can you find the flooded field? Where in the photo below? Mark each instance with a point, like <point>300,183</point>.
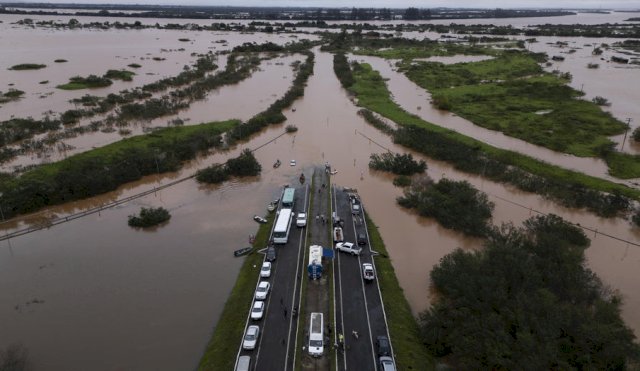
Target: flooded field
<point>95,289</point>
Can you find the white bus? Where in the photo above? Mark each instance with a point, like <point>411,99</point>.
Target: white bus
<point>315,262</point>
<point>316,335</point>
<point>283,225</point>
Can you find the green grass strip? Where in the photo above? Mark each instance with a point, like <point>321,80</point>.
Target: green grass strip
<point>373,94</point>
<point>222,349</point>
<point>409,352</point>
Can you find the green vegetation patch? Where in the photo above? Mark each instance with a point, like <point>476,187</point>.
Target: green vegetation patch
<point>399,164</point>
<point>134,65</point>
<point>89,82</point>
<point>11,94</point>
<point>454,204</point>
<point>241,166</point>
<point>123,75</point>
<point>623,165</point>
<point>104,169</point>
<point>222,349</point>
<point>568,187</point>
<point>409,351</point>
<point>527,296</point>
<point>27,66</point>
<point>510,94</point>
<point>149,217</point>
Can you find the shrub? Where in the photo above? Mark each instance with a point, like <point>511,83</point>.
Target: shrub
<point>402,181</point>
<point>455,205</point>
<point>399,164</point>
<point>636,134</point>
<point>27,66</point>
<point>601,101</point>
<point>291,128</point>
<point>636,217</point>
<point>149,217</point>
<point>213,174</point>
<point>123,75</point>
<point>527,296</point>
<point>244,165</point>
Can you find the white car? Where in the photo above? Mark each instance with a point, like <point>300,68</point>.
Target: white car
<point>348,247</point>
<point>292,162</point>
<point>263,290</point>
<point>251,337</point>
<point>265,271</point>
<point>258,310</point>
<point>301,220</point>
<point>367,272</point>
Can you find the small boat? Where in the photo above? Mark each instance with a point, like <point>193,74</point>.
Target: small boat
<point>242,251</point>
<point>302,178</point>
<point>293,109</point>
<point>292,162</point>
<point>271,206</point>
<point>334,172</point>
<point>259,219</point>
<point>277,163</point>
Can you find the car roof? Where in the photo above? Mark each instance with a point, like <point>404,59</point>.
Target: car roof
<point>258,304</point>
<point>266,264</point>
<point>253,328</point>
<point>263,283</point>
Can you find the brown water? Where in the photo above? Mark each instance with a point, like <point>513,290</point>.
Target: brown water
<point>117,298</point>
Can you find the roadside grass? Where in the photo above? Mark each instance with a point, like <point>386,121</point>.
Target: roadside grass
<point>623,165</point>
<point>425,50</point>
<point>373,94</point>
<point>220,353</point>
<point>435,75</point>
<point>302,310</point>
<point>513,95</point>
<point>409,351</point>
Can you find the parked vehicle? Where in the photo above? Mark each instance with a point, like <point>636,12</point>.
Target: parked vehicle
<point>258,310</point>
<point>251,337</point>
<point>301,219</point>
<point>316,335</point>
<point>386,364</point>
<point>337,234</point>
<point>271,254</point>
<point>315,262</point>
<point>367,272</point>
<point>263,290</point>
<point>384,348</point>
<point>277,164</point>
<point>362,238</point>
<point>244,363</point>
<point>348,247</point>
<point>265,271</point>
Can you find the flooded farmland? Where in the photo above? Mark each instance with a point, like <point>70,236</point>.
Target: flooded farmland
<point>95,289</point>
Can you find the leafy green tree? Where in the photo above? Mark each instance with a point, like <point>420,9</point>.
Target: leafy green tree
<point>455,205</point>
<point>527,299</point>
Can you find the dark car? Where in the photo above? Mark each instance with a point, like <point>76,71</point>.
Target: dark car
<point>271,254</point>
<point>384,349</point>
<point>362,239</point>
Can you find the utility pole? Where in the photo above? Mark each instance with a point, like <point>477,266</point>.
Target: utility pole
<point>625,133</point>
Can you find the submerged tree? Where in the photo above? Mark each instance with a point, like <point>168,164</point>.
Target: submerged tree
<point>527,298</point>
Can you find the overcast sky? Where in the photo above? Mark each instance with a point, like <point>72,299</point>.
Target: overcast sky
<point>626,4</point>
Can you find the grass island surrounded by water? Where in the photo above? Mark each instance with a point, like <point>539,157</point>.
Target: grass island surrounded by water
<point>27,66</point>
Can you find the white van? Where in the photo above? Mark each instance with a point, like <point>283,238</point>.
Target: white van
<point>316,335</point>
<point>244,363</point>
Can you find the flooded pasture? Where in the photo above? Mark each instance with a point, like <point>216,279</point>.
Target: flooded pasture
<point>96,289</point>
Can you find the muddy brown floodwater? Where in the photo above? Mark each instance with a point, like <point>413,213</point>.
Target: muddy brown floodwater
<point>96,292</point>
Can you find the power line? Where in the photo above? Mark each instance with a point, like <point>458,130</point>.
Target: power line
<point>68,218</point>
<point>527,207</point>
